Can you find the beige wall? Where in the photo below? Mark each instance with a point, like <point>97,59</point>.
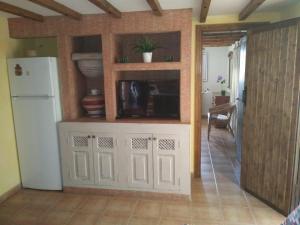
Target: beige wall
<point>9,170</point>
<point>291,11</point>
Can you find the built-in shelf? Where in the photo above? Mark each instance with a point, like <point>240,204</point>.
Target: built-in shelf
<point>147,66</point>
<point>128,120</point>
<point>168,46</point>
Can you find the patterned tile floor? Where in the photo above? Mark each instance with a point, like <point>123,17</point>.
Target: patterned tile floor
<point>216,200</point>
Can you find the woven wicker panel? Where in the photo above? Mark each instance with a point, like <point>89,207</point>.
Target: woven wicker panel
<point>166,144</point>
<point>105,142</point>
<point>80,141</point>
<point>139,143</point>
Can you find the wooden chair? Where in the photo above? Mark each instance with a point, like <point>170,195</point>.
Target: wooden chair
<point>220,116</point>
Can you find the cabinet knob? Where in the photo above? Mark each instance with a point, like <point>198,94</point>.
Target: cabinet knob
<point>88,136</point>
<point>149,138</point>
<point>154,139</point>
<point>93,136</point>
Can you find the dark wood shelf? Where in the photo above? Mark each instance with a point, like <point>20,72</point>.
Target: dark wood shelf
<point>147,66</point>
<point>127,120</point>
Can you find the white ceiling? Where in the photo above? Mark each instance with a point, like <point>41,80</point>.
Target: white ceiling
<point>217,7</point>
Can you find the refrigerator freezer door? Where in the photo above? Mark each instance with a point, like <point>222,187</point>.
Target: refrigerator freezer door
<point>37,142</point>
<point>31,76</point>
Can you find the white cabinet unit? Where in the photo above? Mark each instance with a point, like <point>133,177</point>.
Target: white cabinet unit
<point>146,157</point>
<point>166,161</point>
<point>105,154</point>
<point>80,158</point>
<point>139,153</point>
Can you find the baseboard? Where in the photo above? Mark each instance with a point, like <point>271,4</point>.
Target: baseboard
<point>126,193</point>
<point>10,193</point>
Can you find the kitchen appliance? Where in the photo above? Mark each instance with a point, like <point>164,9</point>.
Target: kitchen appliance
<point>36,109</point>
<point>148,98</point>
<point>133,98</point>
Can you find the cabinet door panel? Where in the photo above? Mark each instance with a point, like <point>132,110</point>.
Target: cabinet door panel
<point>166,161</point>
<point>140,166</point>
<point>81,165</point>
<point>139,149</point>
<point>81,158</point>
<point>166,169</point>
<point>105,156</point>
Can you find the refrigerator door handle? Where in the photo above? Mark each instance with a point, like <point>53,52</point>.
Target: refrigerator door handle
<point>32,96</point>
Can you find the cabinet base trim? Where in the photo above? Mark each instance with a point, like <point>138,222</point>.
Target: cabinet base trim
<point>126,193</point>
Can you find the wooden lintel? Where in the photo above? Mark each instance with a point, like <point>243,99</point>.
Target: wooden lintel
<point>58,7</point>
<point>231,26</point>
<point>250,8</point>
<point>204,10</point>
<point>155,6</point>
<point>107,7</point>
<point>5,7</point>
<point>222,36</point>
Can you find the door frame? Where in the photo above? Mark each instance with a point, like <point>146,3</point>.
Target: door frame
<point>198,79</point>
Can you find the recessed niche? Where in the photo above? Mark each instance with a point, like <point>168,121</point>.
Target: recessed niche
<point>35,47</point>
<point>88,61</point>
<point>148,94</point>
<point>168,43</point>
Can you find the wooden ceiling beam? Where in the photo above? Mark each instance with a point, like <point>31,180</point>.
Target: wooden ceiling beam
<point>250,8</point>
<point>204,10</point>
<point>5,7</point>
<point>107,7</point>
<point>155,6</point>
<point>58,7</point>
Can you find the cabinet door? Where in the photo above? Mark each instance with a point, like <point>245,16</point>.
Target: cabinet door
<point>105,157</point>
<point>139,151</point>
<point>81,168</point>
<point>166,161</point>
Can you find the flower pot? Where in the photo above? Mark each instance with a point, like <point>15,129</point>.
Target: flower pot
<point>147,57</point>
<point>94,104</point>
<point>223,92</point>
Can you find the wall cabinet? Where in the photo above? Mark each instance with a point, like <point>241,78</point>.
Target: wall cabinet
<point>126,156</point>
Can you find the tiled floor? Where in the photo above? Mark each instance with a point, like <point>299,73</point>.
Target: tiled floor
<point>216,200</point>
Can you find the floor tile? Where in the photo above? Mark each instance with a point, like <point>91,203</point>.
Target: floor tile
<point>93,204</point>
<point>181,210</point>
<point>69,202</point>
<point>207,213</point>
<point>83,219</point>
<point>267,216</point>
<point>238,215</point>
<point>173,221</point>
<point>55,217</point>
<point>233,200</point>
<point>112,220</point>
<point>148,208</point>
<point>27,216</point>
<point>120,207</point>
<point>143,221</point>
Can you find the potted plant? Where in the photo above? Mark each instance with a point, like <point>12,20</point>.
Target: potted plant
<point>222,82</point>
<point>146,46</point>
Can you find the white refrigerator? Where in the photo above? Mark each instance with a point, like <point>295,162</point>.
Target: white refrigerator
<point>36,109</point>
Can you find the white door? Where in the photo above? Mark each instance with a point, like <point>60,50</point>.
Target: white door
<point>37,142</point>
<point>105,161</point>
<point>139,151</point>
<point>81,168</point>
<point>166,162</point>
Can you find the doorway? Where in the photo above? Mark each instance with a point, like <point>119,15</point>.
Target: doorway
<point>222,53</point>
<point>270,98</point>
